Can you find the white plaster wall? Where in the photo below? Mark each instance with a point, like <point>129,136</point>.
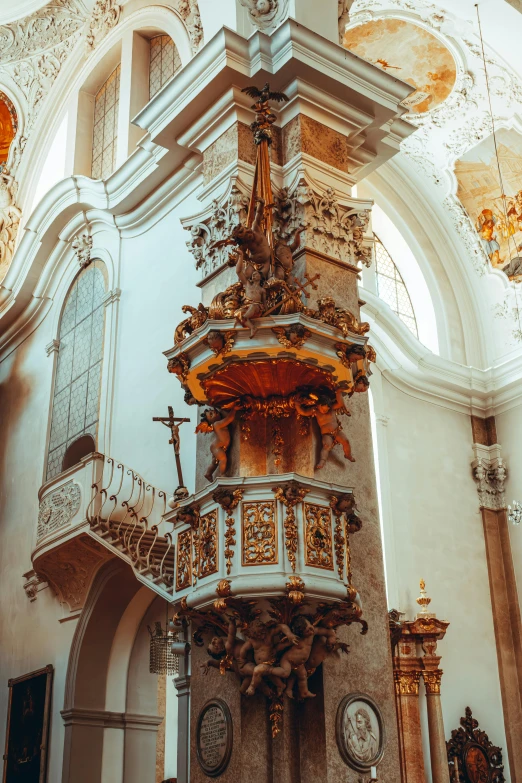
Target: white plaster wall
<point>157,277</point>
<point>31,634</point>
<point>434,522</point>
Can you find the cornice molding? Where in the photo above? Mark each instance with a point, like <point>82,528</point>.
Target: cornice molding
<point>415,370</point>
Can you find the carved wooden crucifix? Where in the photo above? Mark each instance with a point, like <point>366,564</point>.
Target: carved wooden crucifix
<point>173,423</point>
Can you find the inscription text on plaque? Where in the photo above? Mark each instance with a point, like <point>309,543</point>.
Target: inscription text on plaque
<point>214,737</point>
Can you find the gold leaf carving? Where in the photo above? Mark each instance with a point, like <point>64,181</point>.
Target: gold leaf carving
<point>259,533</point>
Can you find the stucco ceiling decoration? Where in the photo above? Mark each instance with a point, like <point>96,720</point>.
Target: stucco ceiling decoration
<point>456,125</point>
<point>266,14</point>
<point>40,31</point>
<point>411,53</point>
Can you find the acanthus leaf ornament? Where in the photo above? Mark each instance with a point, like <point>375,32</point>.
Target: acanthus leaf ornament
<point>82,246</point>
<point>490,476</point>
<point>105,15</point>
<point>266,14</point>
<point>406,683</point>
<point>432,681</point>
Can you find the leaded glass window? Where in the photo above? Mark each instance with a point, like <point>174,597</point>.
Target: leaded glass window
<point>78,375</point>
<point>391,288</point>
<point>105,132</point>
<point>164,62</point>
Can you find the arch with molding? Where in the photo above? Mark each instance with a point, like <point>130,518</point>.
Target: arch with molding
<point>110,707</point>
<point>78,72</point>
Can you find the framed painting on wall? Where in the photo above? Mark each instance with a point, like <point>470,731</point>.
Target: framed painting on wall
<point>27,731</point>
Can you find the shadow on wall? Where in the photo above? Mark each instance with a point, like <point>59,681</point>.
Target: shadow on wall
<point>14,393</point>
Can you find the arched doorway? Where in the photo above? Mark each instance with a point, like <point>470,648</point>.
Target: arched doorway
<point>112,706</point>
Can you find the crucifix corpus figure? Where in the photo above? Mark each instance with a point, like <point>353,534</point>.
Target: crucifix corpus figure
<point>174,423</point>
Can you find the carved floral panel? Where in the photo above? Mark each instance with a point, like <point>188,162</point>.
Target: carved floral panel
<point>259,533</point>
<point>58,508</point>
<point>318,536</point>
<point>184,560</point>
<point>208,544</point>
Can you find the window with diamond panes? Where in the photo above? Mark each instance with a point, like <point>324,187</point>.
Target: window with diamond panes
<point>391,288</point>
<point>105,132</point>
<point>164,62</point>
<point>78,375</point>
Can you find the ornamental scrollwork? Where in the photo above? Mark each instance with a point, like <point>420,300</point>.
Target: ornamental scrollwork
<point>259,533</point>
<point>207,545</point>
<point>290,495</point>
<point>228,499</point>
<point>57,509</point>
<point>318,536</point>
<point>472,755</point>
<point>105,15</point>
<point>184,560</point>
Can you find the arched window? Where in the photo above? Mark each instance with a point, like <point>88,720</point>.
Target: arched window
<point>164,62</point>
<point>78,376</point>
<point>105,133</point>
<point>391,288</point>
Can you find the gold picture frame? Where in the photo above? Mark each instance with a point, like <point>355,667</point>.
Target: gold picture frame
<point>27,731</point>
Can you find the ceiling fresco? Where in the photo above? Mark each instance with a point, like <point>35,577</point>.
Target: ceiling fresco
<point>409,52</point>
<point>8,126</point>
<point>495,209</point>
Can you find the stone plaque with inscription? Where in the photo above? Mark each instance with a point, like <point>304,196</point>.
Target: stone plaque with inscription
<point>214,737</point>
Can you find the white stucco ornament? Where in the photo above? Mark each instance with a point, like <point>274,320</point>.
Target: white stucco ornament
<point>105,15</point>
<point>9,219</point>
<point>58,508</point>
<point>266,14</point>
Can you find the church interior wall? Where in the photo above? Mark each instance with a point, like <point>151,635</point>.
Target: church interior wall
<point>429,504</point>
<point>435,529</point>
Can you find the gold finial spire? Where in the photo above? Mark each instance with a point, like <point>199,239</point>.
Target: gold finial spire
<point>423,600</point>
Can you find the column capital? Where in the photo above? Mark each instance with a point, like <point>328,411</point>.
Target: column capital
<point>406,683</point>
<point>432,681</point>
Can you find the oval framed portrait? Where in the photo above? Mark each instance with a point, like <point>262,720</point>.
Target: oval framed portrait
<point>214,738</point>
<point>476,763</point>
<point>360,731</point>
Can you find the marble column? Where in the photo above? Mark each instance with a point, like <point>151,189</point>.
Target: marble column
<point>439,758</point>
<point>408,718</point>
<point>490,473</point>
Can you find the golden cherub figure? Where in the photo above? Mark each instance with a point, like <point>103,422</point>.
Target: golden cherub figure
<point>212,421</point>
<point>324,409</point>
<point>261,640</point>
<point>293,660</point>
<point>323,643</point>
<point>225,653</point>
<point>254,298</point>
